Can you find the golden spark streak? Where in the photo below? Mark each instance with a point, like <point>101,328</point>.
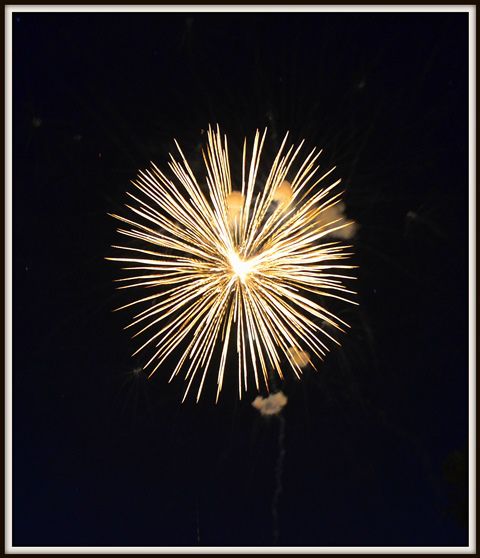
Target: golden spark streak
<point>228,266</point>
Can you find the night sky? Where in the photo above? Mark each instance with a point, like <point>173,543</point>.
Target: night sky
<point>372,448</point>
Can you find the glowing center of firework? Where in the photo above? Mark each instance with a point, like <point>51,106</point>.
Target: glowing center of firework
<point>241,268</point>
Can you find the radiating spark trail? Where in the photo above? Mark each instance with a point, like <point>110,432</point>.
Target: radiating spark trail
<point>234,271</point>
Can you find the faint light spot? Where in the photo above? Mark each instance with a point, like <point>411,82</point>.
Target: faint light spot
<point>271,405</point>
<point>77,137</point>
<point>333,217</point>
<point>348,231</point>
<point>299,357</point>
<point>283,194</point>
<point>36,122</point>
<point>235,201</point>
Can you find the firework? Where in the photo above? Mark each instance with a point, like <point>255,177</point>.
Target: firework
<point>243,269</point>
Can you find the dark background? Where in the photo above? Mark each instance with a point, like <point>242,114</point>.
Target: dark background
<point>374,450</point>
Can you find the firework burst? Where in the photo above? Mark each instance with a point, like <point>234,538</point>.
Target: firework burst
<point>244,271</point>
